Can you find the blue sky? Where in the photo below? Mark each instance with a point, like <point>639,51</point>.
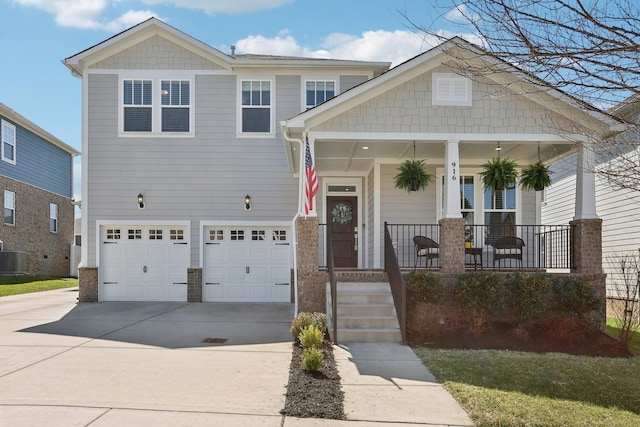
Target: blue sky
<point>36,35</point>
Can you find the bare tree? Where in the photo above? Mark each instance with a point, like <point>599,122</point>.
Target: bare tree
<point>624,302</point>
<point>590,49</point>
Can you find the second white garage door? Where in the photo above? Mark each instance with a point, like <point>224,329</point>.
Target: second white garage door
<point>247,263</point>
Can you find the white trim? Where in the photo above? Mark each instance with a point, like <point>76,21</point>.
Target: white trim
<point>272,106</point>
<point>403,137</point>
<point>156,106</point>
<point>13,208</point>
<point>376,216</point>
<point>326,79</point>
<point>357,182</point>
<point>5,124</point>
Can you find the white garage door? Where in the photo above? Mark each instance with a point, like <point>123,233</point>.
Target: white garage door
<point>144,263</point>
<point>251,264</point>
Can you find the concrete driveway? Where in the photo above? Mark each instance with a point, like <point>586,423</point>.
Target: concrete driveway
<point>107,364</point>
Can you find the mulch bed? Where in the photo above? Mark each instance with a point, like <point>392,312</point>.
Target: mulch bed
<point>551,338</point>
<point>314,394</point>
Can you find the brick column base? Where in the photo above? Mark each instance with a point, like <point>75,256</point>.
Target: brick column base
<point>587,246</point>
<point>88,284</point>
<point>451,258</point>
<point>311,282</point>
<point>194,285</point>
<point>312,292</point>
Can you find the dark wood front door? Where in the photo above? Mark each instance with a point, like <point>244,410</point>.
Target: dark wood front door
<point>342,214</point>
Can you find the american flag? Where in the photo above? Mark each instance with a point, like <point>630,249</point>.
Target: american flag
<point>311,182</point>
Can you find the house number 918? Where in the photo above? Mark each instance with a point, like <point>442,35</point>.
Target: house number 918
<point>453,174</point>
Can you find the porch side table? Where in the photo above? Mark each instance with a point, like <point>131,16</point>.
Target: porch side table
<point>475,253</point>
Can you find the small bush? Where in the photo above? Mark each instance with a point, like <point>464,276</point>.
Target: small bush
<point>312,359</point>
<point>574,297</point>
<point>306,319</point>
<point>311,337</point>
<point>480,296</point>
<point>424,287</point>
<point>527,296</point>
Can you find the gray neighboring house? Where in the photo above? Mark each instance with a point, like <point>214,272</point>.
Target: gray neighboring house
<point>36,179</point>
<point>194,165</point>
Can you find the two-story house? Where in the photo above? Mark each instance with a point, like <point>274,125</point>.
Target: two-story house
<point>36,179</point>
<point>197,164</point>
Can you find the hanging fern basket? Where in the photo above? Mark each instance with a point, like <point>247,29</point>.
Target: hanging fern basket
<point>536,177</point>
<point>412,176</point>
<point>499,173</point>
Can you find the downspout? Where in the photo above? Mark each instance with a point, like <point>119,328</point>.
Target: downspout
<point>285,135</point>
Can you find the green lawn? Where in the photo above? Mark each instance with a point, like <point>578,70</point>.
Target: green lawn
<point>14,285</point>
<point>506,388</point>
<point>613,330</point>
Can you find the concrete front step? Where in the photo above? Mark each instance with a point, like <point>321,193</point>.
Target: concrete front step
<point>366,313</point>
<point>368,322</point>
<point>369,335</point>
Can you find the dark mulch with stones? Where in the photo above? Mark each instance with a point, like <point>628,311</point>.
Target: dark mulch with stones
<point>314,394</point>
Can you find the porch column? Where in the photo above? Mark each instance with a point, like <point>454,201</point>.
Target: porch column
<point>585,184</point>
<point>311,282</point>
<point>451,203</point>
<point>451,242</point>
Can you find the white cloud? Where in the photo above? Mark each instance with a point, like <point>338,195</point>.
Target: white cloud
<point>392,46</point>
<point>460,14</point>
<point>223,6</point>
<point>86,14</point>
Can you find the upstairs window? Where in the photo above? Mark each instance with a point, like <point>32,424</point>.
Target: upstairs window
<point>319,91</point>
<point>8,135</point>
<point>53,217</point>
<point>156,106</point>
<point>451,89</point>
<point>9,207</point>
<point>256,106</point>
<point>176,103</point>
<point>138,109</point>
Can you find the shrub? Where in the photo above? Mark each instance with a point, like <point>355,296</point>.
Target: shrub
<point>306,319</point>
<point>480,296</point>
<point>527,296</point>
<point>312,359</point>
<point>424,286</point>
<point>311,337</point>
<point>574,297</point>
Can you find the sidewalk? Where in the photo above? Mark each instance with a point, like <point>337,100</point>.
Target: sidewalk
<point>138,364</point>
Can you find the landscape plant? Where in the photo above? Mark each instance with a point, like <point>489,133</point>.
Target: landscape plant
<point>625,279</point>
<point>480,296</point>
<point>305,319</point>
<point>424,287</point>
<point>311,337</point>
<point>527,295</point>
<point>574,298</point>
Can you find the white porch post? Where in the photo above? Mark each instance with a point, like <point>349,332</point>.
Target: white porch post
<point>585,184</point>
<point>451,205</point>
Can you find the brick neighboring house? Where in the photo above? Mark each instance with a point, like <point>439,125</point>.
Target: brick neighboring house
<point>36,180</point>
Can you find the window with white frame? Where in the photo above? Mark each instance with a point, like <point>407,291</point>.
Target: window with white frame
<point>451,89</point>
<point>319,91</point>
<point>9,207</point>
<point>176,104</point>
<point>499,213</point>
<point>53,217</point>
<point>167,111</point>
<point>256,106</point>
<point>8,136</point>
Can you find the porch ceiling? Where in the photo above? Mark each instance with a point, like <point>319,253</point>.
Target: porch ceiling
<point>358,156</point>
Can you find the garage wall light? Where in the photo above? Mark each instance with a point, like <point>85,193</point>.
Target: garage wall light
<point>247,202</point>
<point>140,201</point>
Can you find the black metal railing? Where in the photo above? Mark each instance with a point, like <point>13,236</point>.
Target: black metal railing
<point>402,235</point>
<point>495,246</point>
<point>398,289</point>
<point>322,246</point>
<point>333,285</point>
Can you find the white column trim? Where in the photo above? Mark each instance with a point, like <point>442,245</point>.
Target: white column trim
<point>377,225</point>
<point>585,207</point>
<point>451,208</point>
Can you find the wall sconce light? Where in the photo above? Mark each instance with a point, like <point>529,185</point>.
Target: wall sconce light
<point>247,202</point>
<point>140,201</point>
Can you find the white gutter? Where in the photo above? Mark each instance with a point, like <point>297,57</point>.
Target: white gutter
<point>287,138</point>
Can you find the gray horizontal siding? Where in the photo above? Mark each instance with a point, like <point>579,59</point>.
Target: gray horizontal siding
<point>40,163</point>
<point>347,82</point>
<point>198,178</point>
